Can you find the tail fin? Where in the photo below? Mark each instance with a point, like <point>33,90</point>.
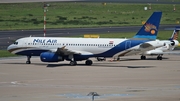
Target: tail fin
<point>150,29</point>
<point>175,34</point>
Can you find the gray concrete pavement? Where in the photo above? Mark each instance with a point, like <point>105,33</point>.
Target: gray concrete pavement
<point>130,79</point>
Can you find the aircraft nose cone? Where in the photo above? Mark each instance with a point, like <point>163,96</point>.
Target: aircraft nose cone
<point>10,48</point>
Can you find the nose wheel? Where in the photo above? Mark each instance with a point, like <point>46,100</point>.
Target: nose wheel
<point>28,60</point>
<point>88,62</point>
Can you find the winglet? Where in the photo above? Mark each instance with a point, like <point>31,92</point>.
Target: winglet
<point>175,34</point>
<point>150,29</point>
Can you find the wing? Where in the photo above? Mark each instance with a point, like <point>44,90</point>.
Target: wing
<point>153,52</point>
<point>65,51</point>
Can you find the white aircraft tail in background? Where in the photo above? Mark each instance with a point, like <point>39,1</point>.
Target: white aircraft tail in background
<point>167,49</point>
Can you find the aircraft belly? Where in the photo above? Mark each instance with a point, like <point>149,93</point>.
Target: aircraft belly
<point>30,51</point>
<point>127,53</point>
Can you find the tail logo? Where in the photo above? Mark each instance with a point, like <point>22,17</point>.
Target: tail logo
<point>175,37</point>
<point>150,28</point>
<point>153,31</point>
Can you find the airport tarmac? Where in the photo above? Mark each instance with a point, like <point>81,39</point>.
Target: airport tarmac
<point>129,79</point>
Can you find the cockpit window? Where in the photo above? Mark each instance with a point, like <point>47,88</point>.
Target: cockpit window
<point>16,43</point>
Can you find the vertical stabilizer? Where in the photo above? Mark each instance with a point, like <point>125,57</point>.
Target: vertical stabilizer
<point>175,34</point>
<point>150,29</point>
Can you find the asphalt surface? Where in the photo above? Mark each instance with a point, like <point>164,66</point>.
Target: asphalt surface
<point>130,79</point>
<point>8,37</point>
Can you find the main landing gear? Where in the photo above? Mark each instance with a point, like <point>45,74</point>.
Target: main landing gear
<point>87,62</point>
<point>73,62</point>
<point>159,57</point>
<point>143,57</point>
<point>28,60</point>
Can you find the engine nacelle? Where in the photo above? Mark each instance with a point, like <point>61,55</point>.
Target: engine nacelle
<point>174,43</point>
<point>50,57</point>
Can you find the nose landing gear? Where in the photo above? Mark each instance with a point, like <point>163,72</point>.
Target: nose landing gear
<point>28,60</point>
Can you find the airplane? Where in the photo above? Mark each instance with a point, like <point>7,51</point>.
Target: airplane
<point>55,49</point>
<point>167,49</point>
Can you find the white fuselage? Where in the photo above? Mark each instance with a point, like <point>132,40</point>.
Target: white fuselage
<point>106,47</point>
<point>167,47</point>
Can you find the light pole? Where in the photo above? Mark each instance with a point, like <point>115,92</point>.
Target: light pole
<point>45,10</point>
<point>174,7</point>
<point>149,6</point>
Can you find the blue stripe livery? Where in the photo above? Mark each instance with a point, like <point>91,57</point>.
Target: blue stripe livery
<point>121,47</point>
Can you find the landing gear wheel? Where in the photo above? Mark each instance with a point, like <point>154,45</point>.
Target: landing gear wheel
<point>88,62</point>
<point>159,58</point>
<point>143,57</point>
<point>98,59</point>
<point>28,62</point>
<point>73,63</point>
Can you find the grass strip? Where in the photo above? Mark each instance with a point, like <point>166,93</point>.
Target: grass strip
<point>81,14</point>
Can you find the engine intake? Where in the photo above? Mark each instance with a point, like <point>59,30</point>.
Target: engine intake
<point>172,43</point>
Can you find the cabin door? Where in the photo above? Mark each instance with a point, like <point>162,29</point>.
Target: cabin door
<point>128,45</point>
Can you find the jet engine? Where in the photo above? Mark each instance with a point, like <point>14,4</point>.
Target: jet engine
<point>50,57</point>
<point>174,43</point>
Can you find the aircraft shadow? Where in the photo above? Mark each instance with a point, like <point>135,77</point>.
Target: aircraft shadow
<point>121,66</point>
<point>163,58</point>
<point>56,65</point>
<point>107,65</point>
<point>96,63</point>
<point>138,66</point>
<point>128,59</point>
<point>26,64</point>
